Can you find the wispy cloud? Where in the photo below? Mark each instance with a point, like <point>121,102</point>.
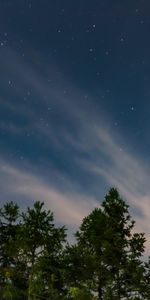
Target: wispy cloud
<point>122,169</point>
<point>26,187</point>
<point>95,151</point>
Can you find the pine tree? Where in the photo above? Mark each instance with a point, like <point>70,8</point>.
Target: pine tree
<point>41,242</point>
<point>106,238</point>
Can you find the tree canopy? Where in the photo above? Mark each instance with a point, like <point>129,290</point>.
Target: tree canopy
<point>105,262</point>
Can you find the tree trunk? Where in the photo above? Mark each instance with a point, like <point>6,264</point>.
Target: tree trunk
<point>118,286</point>
<point>30,287</point>
<point>100,291</point>
<point>30,296</point>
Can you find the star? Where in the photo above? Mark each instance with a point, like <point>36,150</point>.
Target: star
<point>122,40</point>
<point>132,108</point>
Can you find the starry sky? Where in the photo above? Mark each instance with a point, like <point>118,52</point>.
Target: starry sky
<point>75,105</point>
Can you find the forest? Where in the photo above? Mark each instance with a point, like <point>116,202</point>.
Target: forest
<point>106,262</point>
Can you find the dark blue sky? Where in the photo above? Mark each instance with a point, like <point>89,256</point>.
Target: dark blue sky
<point>74,104</point>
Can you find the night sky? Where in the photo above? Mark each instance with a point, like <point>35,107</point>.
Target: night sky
<point>75,105</point>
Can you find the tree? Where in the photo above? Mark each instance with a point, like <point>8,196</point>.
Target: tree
<point>105,263</point>
<point>91,239</point>
<point>41,243</point>
<point>105,236</point>
<point>10,265</point>
<point>80,294</point>
<point>125,248</point>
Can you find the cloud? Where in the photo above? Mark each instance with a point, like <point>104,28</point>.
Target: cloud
<point>69,207</point>
<point>98,156</point>
<point>122,169</point>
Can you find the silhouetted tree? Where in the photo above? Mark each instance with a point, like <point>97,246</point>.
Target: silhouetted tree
<point>41,243</point>
<point>106,238</point>
<point>105,263</point>
<point>12,272</point>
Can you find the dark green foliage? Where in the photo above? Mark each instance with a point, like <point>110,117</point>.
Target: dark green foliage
<point>12,276</point>
<point>30,247</point>
<point>105,262</point>
<point>106,238</point>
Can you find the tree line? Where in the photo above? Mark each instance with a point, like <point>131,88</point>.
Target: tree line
<point>105,262</point>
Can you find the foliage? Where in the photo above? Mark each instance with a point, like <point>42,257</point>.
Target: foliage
<point>105,262</point>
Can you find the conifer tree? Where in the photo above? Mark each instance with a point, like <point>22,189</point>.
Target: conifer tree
<point>106,237</point>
